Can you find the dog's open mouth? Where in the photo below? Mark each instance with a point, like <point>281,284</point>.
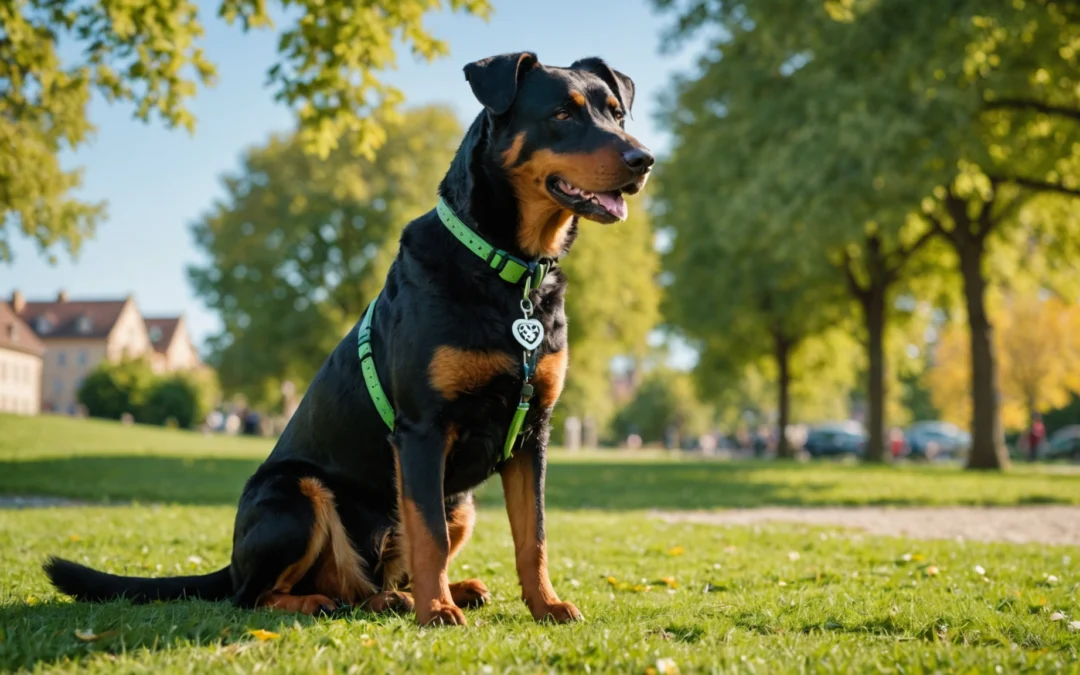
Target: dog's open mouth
<point>603,207</point>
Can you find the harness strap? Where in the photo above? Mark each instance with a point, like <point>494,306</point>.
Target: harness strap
<point>367,367</point>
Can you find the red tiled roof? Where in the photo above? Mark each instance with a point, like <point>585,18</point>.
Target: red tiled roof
<point>73,318</point>
<point>167,325</point>
<point>16,335</point>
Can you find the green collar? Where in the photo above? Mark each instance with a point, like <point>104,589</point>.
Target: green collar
<point>511,269</point>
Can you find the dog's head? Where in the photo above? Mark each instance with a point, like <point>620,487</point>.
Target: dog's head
<point>559,135</point>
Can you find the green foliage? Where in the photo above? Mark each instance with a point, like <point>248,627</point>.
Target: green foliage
<point>301,245</point>
<point>666,399</point>
<point>612,302</point>
<point>113,389</point>
<point>130,386</point>
<point>183,398</point>
<point>147,54</point>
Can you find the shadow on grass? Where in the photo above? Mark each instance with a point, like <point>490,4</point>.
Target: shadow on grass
<point>615,485</point>
<point>47,633</point>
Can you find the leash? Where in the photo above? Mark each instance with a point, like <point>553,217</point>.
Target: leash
<point>527,331</point>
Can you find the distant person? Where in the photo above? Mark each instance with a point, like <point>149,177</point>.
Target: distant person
<point>1035,437</point>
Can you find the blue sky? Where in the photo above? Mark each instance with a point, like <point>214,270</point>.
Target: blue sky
<point>157,181</point>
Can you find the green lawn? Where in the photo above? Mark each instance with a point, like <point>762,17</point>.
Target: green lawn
<point>755,599</point>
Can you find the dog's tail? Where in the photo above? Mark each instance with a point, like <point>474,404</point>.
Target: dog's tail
<point>84,583</point>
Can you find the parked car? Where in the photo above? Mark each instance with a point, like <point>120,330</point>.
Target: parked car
<point>936,440</point>
<point>1063,444</point>
<point>834,439</point>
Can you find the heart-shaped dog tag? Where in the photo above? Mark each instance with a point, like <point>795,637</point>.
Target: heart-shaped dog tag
<point>529,333</point>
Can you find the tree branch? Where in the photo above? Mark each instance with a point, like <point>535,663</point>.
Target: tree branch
<point>1037,185</point>
<point>853,284</point>
<point>1036,106</point>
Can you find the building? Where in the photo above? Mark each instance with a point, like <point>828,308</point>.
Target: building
<point>20,365</point>
<point>173,348</point>
<point>78,335</point>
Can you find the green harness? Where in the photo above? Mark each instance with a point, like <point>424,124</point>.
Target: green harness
<point>528,331</point>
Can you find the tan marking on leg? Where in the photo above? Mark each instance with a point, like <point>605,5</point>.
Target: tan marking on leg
<point>453,371</point>
<point>460,525</point>
<point>550,376</point>
<point>341,573</point>
<point>519,489</point>
<point>427,570</point>
<point>304,604</point>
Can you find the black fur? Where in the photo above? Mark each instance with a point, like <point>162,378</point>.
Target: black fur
<point>437,293</point>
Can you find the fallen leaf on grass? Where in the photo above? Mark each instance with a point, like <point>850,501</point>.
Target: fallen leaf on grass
<point>669,581</point>
<point>74,537</point>
<point>980,570</point>
<point>91,636</point>
<point>263,635</point>
<point>368,643</point>
<point>1057,616</point>
<point>931,571</point>
<point>676,550</point>
<point>793,556</point>
<point>1074,625</point>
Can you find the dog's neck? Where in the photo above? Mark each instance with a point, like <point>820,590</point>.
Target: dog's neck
<point>478,189</point>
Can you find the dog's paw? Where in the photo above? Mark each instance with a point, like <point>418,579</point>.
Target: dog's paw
<point>440,614</point>
<point>558,612</point>
<point>390,601</point>
<point>470,593</point>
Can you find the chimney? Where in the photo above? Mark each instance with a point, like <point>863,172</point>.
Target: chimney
<point>18,301</point>
<point>62,296</point>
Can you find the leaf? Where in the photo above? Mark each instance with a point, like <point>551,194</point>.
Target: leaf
<point>676,551</point>
<point>91,636</point>
<point>263,635</point>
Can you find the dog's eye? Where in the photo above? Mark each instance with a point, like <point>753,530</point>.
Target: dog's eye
<point>619,114</point>
<point>562,114</point>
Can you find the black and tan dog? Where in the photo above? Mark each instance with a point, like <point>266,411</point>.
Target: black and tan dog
<point>343,511</point>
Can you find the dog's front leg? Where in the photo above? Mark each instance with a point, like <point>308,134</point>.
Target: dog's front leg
<point>420,466</point>
<point>523,487</point>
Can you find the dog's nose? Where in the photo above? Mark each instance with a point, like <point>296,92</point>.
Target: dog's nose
<point>639,160</point>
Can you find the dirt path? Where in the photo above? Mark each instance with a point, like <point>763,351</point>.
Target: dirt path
<point>1040,524</point>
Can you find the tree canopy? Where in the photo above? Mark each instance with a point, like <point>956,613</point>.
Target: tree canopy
<point>147,54</point>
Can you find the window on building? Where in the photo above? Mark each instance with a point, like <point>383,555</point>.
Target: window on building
<point>57,385</point>
<point>43,325</point>
<point>155,334</point>
<point>82,357</point>
<point>84,324</point>
<point>61,358</point>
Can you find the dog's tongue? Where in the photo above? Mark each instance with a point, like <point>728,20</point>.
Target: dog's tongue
<point>613,203</point>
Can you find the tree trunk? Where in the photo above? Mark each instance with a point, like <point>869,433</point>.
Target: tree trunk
<point>987,438</point>
<point>783,363</point>
<point>874,315</point>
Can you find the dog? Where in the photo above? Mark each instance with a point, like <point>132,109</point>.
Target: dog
<point>367,495</point>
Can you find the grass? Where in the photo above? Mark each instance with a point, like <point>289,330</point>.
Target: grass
<point>758,600</point>
<point>103,461</point>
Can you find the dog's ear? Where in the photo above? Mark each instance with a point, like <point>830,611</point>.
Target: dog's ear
<point>494,80</point>
<point>621,84</point>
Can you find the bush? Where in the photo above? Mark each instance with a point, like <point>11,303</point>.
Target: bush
<point>665,400</point>
<point>130,386</point>
<point>113,389</point>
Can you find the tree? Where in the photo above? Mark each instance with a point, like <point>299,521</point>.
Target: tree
<point>1038,344</point>
<point>114,389</point>
<point>612,302</point>
<point>300,247</point>
<point>147,54</point>
<point>967,109</point>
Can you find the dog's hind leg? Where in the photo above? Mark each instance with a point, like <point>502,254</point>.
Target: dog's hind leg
<point>289,538</point>
<point>460,519</point>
